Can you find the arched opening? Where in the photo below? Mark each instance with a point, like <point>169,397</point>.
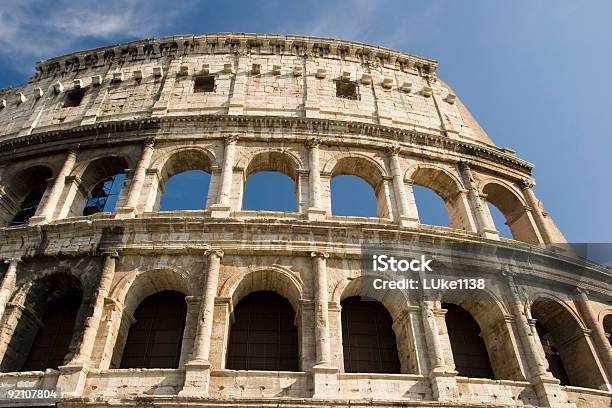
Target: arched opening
<point>555,365</point>
<point>368,340</point>
<point>499,221</point>
<point>567,350</point>
<point>607,324</point>
<point>53,339</point>
<point>154,339</point>
<point>352,196</point>
<point>271,183</point>
<point>186,179</point>
<point>514,212</point>
<point>357,189</point>
<point>24,193</point>
<point>100,186</point>
<point>185,191</point>
<point>263,335</point>
<point>269,191</point>
<point>103,197</point>
<point>430,206</point>
<point>469,351</point>
<point>431,184</point>
<point>46,318</point>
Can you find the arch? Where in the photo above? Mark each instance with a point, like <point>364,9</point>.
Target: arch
<point>263,164</point>
<point>43,310</point>
<point>566,347</point>
<point>23,193</point>
<point>183,159</point>
<point>395,303</point>
<point>135,288</point>
<point>365,168</point>
<point>154,339</point>
<point>447,186</point>
<point>180,161</point>
<point>271,278</point>
<point>275,279</point>
<point>368,340</point>
<point>469,351</point>
<point>97,177</point>
<point>498,347</point>
<point>263,335</point>
<point>282,161</point>
<point>436,178</point>
<point>514,208</point>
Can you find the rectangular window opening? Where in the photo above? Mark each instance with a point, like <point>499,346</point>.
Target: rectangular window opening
<point>204,83</point>
<point>346,90</point>
<point>74,97</point>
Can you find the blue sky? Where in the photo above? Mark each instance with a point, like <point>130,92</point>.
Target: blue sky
<point>535,74</point>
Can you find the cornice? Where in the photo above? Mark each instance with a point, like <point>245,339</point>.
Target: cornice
<point>64,238</point>
<point>241,43</point>
<point>311,126</point>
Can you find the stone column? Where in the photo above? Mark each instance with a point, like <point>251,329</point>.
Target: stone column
<point>546,386</point>
<point>405,217</point>
<point>325,377</point>
<point>603,348</point>
<point>223,207</point>
<point>321,307</point>
<point>443,378</point>
<point>92,322</point>
<point>315,210</point>
<point>47,208</point>
<point>138,178</point>
<point>8,283</point>
<point>432,337</point>
<point>73,375</point>
<point>197,370</point>
<point>537,365</point>
<point>479,207</point>
<point>532,201</point>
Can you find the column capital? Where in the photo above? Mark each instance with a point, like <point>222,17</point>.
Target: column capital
<point>526,184</point>
<point>393,149</point>
<point>319,254</point>
<point>230,139</point>
<point>218,252</point>
<point>463,165</point>
<point>110,253</point>
<point>509,275</point>
<point>581,291</point>
<point>74,150</point>
<point>149,141</point>
<point>313,142</point>
<point>12,260</point>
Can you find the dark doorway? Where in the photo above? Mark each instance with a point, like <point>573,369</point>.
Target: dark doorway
<point>555,365</point>
<point>368,340</point>
<point>263,336</point>
<point>469,350</point>
<point>154,340</point>
<point>51,343</point>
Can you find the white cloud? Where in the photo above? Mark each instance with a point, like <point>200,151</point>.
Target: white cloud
<point>39,29</point>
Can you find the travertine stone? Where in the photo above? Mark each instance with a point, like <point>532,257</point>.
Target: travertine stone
<point>274,107</point>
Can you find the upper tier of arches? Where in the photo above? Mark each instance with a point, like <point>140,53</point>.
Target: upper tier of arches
<point>132,180</point>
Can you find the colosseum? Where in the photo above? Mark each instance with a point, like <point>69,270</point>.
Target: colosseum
<point>126,305</point>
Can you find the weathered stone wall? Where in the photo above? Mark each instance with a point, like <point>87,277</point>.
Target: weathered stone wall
<point>274,108</point>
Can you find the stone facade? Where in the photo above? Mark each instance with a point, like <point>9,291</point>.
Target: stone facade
<point>273,106</point>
